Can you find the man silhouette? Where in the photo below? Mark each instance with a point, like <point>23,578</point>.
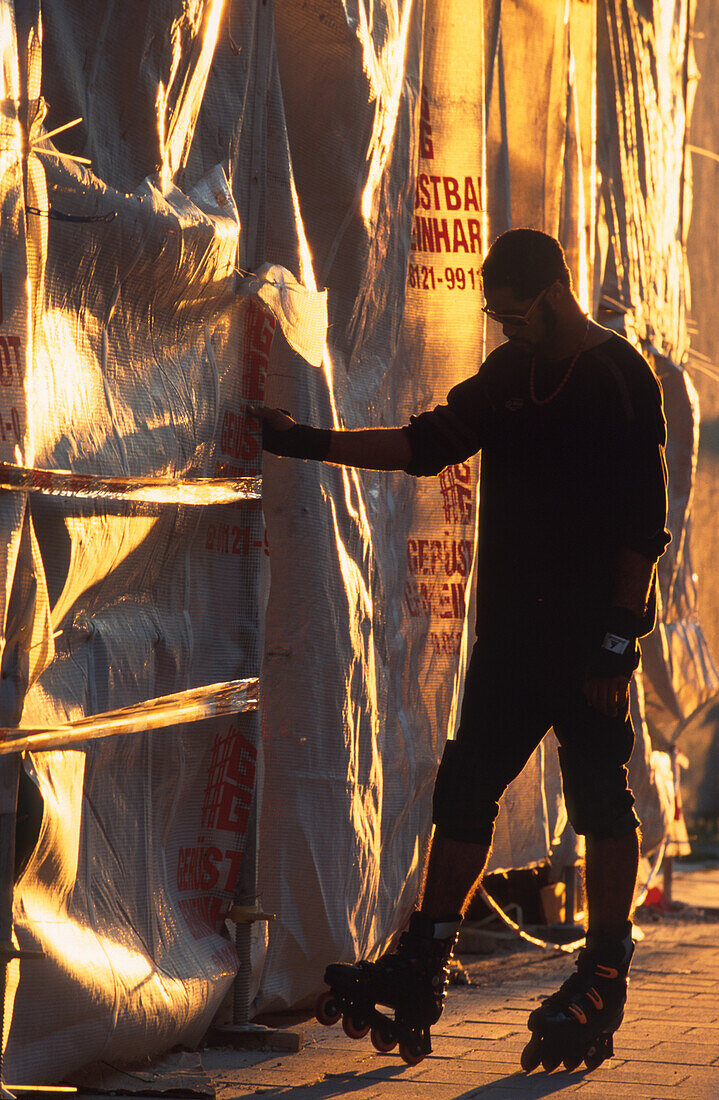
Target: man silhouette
<point>568,417</point>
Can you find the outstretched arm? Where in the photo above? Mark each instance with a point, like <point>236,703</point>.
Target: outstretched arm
<point>366,448</point>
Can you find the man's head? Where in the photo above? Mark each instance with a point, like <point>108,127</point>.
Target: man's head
<point>525,261</point>
<point>528,286</point>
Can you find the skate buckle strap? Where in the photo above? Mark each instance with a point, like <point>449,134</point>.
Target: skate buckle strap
<point>577,1013</point>
<point>605,971</point>
<point>446,929</point>
<point>595,998</point>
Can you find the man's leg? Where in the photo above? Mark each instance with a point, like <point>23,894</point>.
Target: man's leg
<point>504,717</point>
<point>594,751</point>
<point>577,1022</point>
<point>452,874</point>
<point>610,877</point>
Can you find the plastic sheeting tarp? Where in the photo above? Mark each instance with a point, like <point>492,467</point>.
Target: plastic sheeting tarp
<point>646,81</point>
<point>246,160</point>
<point>135,357</point>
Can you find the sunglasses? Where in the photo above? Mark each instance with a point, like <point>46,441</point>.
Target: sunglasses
<point>515,320</point>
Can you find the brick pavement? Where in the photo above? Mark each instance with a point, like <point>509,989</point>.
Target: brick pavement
<point>667,1047</point>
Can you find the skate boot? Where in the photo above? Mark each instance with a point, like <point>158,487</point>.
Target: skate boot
<point>577,1022</point>
<point>412,980</point>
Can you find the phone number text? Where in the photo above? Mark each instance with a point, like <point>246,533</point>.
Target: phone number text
<point>452,278</point>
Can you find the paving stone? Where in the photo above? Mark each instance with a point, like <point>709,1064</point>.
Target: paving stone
<point>237,1092</point>
<point>655,1029</point>
<point>469,1028</point>
<point>304,1068</point>
<point>705,1080</point>
<point>660,996</point>
<point>680,1054</point>
<point>528,1088</point>
<point>688,1090</point>
<point>667,1074</point>
<point>500,1053</point>
<point>691,1013</point>
<point>463,1075</point>
<point>455,1047</point>
<point>516,1041</point>
<point>395,1090</point>
<point>600,1090</point>
<point>487,1030</point>
<point>705,1034</point>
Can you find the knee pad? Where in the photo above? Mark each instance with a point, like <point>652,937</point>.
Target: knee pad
<point>462,807</point>
<point>599,821</point>
<point>622,826</point>
<point>596,793</point>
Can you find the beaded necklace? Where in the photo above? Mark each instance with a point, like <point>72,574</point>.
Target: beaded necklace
<point>565,379</point>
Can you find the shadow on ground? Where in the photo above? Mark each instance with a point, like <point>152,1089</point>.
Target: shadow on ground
<point>534,1086</point>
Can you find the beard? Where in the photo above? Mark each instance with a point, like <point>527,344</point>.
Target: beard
<point>542,339</point>
<point>549,317</point>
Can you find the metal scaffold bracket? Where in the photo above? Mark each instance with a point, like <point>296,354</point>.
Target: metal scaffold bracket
<point>9,951</point>
<point>248,914</point>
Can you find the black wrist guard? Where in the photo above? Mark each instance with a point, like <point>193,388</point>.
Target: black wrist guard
<point>299,441</point>
<point>618,652</point>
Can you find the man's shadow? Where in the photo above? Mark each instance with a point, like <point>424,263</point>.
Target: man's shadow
<point>535,1086</point>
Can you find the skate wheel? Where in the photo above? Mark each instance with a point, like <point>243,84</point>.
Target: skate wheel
<point>601,1050</point>
<point>550,1059</point>
<point>354,1028</point>
<point>327,1009</point>
<point>532,1054</point>
<point>383,1039</point>
<point>593,1059</point>
<point>571,1061</point>
<point>412,1053</point>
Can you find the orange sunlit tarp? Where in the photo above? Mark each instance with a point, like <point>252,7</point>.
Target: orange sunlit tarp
<point>288,206</point>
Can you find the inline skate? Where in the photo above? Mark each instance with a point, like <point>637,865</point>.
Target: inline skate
<point>410,979</point>
<point>577,1023</point>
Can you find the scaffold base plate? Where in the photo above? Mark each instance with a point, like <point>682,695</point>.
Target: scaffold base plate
<point>256,1037</point>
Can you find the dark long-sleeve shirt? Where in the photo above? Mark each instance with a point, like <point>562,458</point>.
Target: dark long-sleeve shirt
<point>564,485</point>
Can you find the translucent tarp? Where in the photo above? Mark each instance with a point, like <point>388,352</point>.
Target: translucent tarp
<point>245,160</point>
<point>131,360</point>
<point>646,81</point>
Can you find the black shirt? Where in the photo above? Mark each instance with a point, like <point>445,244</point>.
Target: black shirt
<point>564,485</point>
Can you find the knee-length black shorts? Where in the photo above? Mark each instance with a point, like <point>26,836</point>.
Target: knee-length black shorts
<point>515,691</point>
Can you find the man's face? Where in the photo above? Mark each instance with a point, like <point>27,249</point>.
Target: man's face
<point>527,322</point>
